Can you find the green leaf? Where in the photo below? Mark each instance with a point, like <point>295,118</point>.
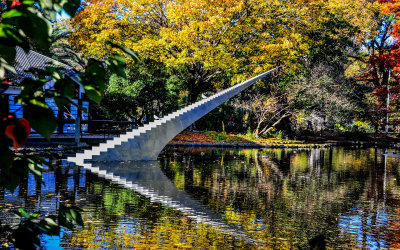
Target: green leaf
<point>11,177</point>
<point>49,226</point>
<point>22,213</point>
<point>29,87</point>
<point>40,160</point>
<point>8,53</point>
<point>26,236</point>
<point>36,169</point>
<point>11,183</point>
<point>93,94</point>
<point>50,221</point>
<point>34,215</point>
<point>12,13</point>
<point>117,65</point>
<point>61,101</point>
<point>76,217</point>
<point>71,6</point>
<point>11,37</point>
<point>4,66</point>
<point>67,216</point>
<point>93,80</point>
<point>28,2</point>
<point>6,157</point>
<point>50,8</point>
<point>66,87</point>
<point>52,5</point>
<point>95,69</point>
<point>39,102</point>
<point>41,119</point>
<point>36,27</point>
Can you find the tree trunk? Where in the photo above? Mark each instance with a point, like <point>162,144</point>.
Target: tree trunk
<point>257,131</point>
<point>267,130</point>
<point>198,83</point>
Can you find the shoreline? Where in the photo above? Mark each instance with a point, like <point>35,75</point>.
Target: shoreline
<point>201,139</point>
<point>304,145</point>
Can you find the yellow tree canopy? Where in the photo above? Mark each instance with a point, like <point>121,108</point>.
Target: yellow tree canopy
<point>208,37</point>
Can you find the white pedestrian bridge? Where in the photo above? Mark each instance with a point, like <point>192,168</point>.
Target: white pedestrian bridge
<point>130,159</point>
<point>145,143</point>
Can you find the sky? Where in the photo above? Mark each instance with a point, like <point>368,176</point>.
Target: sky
<point>62,15</point>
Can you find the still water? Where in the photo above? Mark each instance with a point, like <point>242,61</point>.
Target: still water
<point>225,198</point>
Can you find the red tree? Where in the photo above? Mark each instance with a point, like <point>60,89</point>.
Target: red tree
<point>383,62</point>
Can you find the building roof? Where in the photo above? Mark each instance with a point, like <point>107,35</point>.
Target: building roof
<point>33,60</point>
<point>26,61</point>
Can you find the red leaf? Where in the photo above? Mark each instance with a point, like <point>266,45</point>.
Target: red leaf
<point>7,82</point>
<point>15,3</point>
<point>18,132</point>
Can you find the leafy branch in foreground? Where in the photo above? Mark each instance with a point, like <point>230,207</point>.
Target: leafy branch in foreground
<point>26,236</point>
<point>24,24</point>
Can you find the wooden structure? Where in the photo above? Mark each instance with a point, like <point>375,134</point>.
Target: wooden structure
<point>69,117</point>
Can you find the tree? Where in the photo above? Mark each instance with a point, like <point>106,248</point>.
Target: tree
<point>381,65</point>
<point>323,90</point>
<point>269,110</point>
<point>319,90</point>
<point>23,25</point>
<point>61,50</point>
<point>207,40</point>
<point>148,90</point>
<point>313,101</point>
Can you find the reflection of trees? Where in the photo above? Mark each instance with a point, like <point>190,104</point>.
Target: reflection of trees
<point>393,237</point>
<point>289,194</point>
<point>216,184</point>
<point>355,187</point>
<point>167,233</point>
<point>281,196</point>
<point>147,224</point>
<point>284,197</point>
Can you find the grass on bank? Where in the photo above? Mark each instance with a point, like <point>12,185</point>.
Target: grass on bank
<point>224,137</point>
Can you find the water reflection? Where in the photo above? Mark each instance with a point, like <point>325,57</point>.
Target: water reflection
<point>338,198</point>
<point>147,179</point>
<point>296,196</point>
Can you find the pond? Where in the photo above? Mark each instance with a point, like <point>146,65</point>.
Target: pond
<point>224,198</point>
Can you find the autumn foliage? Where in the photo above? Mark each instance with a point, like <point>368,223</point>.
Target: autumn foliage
<point>382,69</point>
<point>379,66</point>
<point>209,39</point>
<point>18,130</point>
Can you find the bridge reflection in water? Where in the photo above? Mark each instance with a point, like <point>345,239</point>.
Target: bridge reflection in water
<point>147,179</point>
<point>285,197</point>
